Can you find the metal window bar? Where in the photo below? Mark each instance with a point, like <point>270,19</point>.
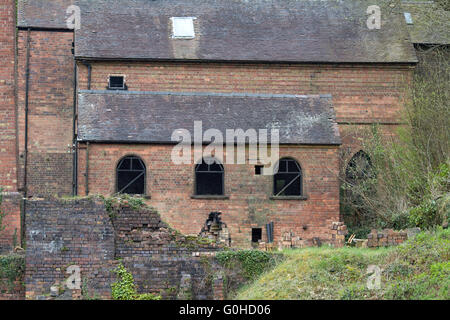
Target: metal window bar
<point>131,169</point>
<point>286,164</point>
<point>209,170</point>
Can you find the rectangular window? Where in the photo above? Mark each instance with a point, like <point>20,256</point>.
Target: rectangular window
<point>258,170</point>
<point>256,234</point>
<point>116,83</point>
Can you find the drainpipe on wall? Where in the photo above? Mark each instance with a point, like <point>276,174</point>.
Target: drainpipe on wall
<point>89,66</point>
<point>25,162</point>
<point>27,89</point>
<point>74,124</point>
<point>87,168</point>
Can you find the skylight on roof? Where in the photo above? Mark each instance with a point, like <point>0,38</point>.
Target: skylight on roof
<point>408,18</point>
<point>183,27</point>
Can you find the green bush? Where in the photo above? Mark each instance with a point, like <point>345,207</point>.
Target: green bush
<point>409,173</point>
<point>12,268</point>
<point>417,269</point>
<point>252,262</point>
<point>125,289</point>
<point>425,214</point>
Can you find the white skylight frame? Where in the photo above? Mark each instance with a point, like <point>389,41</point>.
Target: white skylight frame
<point>408,18</point>
<point>183,27</point>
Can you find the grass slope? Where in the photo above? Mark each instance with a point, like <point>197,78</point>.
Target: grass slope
<point>417,269</point>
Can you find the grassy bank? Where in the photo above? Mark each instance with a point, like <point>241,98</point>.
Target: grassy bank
<point>417,269</point>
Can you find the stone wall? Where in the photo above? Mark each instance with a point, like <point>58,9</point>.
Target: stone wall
<point>83,232</point>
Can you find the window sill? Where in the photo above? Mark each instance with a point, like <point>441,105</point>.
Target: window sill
<point>288,198</point>
<point>210,197</point>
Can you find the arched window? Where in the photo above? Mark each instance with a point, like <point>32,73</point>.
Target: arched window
<point>359,167</point>
<point>131,175</point>
<point>287,180</point>
<point>209,178</point>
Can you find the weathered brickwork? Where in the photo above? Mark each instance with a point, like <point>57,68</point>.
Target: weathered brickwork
<point>161,258</point>
<point>385,238</point>
<point>50,115</point>
<point>361,93</point>
<point>62,234</point>
<point>8,129</point>
<point>249,204</point>
<point>82,232</point>
<point>8,165</point>
<point>12,276</point>
<point>10,207</point>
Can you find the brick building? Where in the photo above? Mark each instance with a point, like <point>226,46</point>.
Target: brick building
<point>92,110</point>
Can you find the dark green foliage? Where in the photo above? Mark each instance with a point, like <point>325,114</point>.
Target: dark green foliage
<point>12,268</point>
<point>417,269</point>
<point>409,181</point>
<point>125,289</point>
<point>252,262</point>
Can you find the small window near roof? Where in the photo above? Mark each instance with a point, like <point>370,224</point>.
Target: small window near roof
<point>116,83</point>
<point>408,17</point>
<point>183,27</point>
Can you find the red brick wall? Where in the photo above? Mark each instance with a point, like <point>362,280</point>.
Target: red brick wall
<point>171,186</point>
<point>8,165</point>
<point>10,206</point>
<point>10,236</point>
<point>361,93</point>
<point>50,111</point>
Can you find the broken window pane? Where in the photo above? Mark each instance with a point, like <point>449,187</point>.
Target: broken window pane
<point>209,177</point>
<point>288,178</point>
<point>131,176</point>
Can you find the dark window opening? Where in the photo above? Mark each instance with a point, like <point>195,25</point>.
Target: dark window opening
<point>131,176</point>
<point>258,170</point>
<point>209,177</point>
<point>287,180</point>
<point>116,83</point>
<point>358,176</point>
<point>256,234</point>
<point>359,168</point>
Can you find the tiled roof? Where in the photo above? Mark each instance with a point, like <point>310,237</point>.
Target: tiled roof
<point>152,117</point>
<point>232,30</point>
